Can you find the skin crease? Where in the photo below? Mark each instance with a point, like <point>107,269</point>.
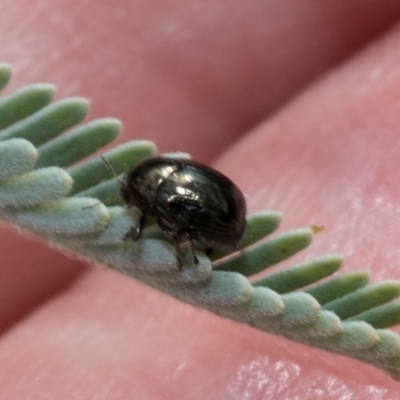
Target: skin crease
<point>182,74</point>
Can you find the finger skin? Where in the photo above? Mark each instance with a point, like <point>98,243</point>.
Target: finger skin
<point>192,76</point>
<point>328,158</point>
<point>31,273</point>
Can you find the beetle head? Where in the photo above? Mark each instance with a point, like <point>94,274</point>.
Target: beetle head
<point>125,193</point>
<point>140,185</point>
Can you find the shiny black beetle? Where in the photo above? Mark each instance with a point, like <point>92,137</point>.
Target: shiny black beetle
<point>190,202</point>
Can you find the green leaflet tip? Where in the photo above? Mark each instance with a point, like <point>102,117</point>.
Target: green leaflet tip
<point>16,157</point>
<point>364,299</point>
<point>35,187</point>
<point>383,316</point>
<point>79,143</point>
<point>265,304</point>
<point>48,122</point>
<point>5,74</point>
<point>64,218</point>
<point>355,337</point>
<point>111,122</point>
<point>300,309</point>
<point>302,274</point>
<point>338,286</point>
<point>388,346</point>
<point>48,88</point>
<point>271,252</point>
<point>328,324</point>
<point>75,103</point>
<point>24,102</point>
<point>225,290</point>
<point>5,66</point>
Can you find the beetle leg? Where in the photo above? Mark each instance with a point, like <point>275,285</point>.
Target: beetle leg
<point>139,227</point>
<point>135,231</point>
<point>195,259</point>
<point>178,257</point>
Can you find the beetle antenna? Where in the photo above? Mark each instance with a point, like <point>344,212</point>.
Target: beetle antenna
<point>111,169</point>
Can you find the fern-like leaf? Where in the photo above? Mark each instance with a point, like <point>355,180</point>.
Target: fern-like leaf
<point>44,192</point>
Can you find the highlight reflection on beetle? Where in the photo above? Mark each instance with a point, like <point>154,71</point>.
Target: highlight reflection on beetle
<point>190,202</point>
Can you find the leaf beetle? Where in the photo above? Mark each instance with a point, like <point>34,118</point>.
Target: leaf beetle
<point>190,202</point>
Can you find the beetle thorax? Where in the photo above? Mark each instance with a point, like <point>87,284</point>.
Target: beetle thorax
<point>141,185</point>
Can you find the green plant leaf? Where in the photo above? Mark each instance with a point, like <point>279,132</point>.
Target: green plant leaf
<point>16,156</point>
<point>35,187</point>
<point>65,207</point>
<point>5,74</point>
<point>364,299</point>
<point>302,274</point>
<point>339,286</point>
<point>49,122</point>
<point>23,103</point>
<point>76,145</point>
<point>264,255</point>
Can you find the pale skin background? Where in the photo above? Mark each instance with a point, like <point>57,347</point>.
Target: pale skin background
<point>298,102</point>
